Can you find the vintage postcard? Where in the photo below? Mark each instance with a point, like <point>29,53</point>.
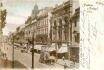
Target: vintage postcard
<point>51,34</point>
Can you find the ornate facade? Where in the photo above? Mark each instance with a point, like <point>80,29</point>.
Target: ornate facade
<point>38,24</point>
<point>42,25</point>
<point>60,24</point>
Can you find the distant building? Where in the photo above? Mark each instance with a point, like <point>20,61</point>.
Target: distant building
<point>29,24</point>
<point>3,39</point>
<point>28,28</point>
<point>19,34</point>
<point>33,14</point>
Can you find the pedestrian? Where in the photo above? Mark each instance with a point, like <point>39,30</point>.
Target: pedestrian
<point>5,54</point>
<point>46,58</point>
<point>74,60</point>
<point>63,58</point>
<point>65,66</point>
<point>5,62</point>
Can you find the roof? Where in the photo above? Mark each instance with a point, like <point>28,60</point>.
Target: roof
<point>76,14</point>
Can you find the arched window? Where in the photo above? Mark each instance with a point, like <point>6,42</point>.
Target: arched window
<point>60,22</point>
<point>66,20</point>
<point>55,23</point>
<point>54,26</point>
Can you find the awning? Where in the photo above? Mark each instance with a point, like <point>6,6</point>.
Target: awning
<point>63,49</point>
<point>16,44</point>
<point>38,47</point>
<point>52,48</point>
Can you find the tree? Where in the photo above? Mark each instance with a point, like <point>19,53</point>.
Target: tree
<point>3,14</point>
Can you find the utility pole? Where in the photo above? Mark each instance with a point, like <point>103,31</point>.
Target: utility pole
<point>32,47</point>
<point>13,52</point>
<point>33,51</point>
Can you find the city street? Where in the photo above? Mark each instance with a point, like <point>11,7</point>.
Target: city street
<point>25,59</point>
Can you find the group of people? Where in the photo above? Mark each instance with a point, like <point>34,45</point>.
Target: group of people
<point>4,55</point>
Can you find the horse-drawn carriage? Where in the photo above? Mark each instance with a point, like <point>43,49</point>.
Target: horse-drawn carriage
<point>45,56</point>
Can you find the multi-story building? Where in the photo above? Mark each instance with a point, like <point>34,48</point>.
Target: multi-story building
<point>61,27</point>
<point>75,21</point>
<point>27,28</point>
<point>29,24</point>
<point>65,28</point>
<point>38,24</point>
<point>19,35</point>
<point>42,26</point>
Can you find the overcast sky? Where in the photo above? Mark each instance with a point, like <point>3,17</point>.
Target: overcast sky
<point>19,10</point>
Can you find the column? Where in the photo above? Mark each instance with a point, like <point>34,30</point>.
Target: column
<point>63,33</point>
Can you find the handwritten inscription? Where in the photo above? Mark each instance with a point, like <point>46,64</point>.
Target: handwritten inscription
<point>100,3</point>
<point>89,34</point>
<point>90,8</point>
<point>84,50</point>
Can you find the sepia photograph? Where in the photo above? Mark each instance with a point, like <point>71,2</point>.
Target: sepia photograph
<point>40,34</point>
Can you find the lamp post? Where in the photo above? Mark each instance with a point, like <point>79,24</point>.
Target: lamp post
<point>13,51</point>
<point>33,51</point>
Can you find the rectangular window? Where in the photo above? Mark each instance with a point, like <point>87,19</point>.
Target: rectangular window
<point>47,21</point>
<point>75,38</point>
<point>45,31</point>
<point>75,23</point>
<point>78,37</point>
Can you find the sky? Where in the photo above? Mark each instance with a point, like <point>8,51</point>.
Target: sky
<point>19,10</point>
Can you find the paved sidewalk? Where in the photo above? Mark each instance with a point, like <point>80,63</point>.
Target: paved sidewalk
<point>68,63</point>
<point>8,64</point>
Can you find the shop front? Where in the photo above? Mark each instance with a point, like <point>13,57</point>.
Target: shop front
<point>74,54</point>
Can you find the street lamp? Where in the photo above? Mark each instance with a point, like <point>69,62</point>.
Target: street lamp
<point>33,51</point>
<point>13,51</point>
<point>32,42</point>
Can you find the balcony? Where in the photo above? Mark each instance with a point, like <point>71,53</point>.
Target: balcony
<point>75,29</point>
